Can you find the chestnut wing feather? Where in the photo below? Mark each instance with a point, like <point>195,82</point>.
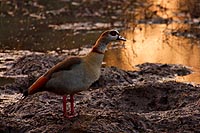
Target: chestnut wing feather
<point>66,64</point>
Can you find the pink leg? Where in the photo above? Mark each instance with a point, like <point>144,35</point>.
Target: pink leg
<point>72,112</point>
<point>72,104</point>
<point>64,106</point>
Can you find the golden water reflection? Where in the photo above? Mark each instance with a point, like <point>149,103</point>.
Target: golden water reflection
<point>153,41</point>
<point>155,44</point>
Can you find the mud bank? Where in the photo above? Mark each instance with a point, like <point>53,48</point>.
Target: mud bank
<point>146,100</point>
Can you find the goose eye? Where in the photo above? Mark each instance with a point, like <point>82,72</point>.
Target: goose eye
<point>113,33</point>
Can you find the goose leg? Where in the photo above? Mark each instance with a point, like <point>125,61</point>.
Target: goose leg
<point>72,111</point>
<point>64,106</point>
<point>72,104</point>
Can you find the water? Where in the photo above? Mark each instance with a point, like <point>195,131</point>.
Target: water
<point>157,31</point>
<point>153,43</point>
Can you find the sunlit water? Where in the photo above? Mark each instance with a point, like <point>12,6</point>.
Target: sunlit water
<point>171,37</point>
<point>156,32</point>
<point>153,43</point>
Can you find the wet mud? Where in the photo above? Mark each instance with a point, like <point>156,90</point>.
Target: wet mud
<point>145,100</point>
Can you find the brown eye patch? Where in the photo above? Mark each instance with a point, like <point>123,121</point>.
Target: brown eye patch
<point>113,33</point>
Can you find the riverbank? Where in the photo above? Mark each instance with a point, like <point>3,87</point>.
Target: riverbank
<point>145,100</point>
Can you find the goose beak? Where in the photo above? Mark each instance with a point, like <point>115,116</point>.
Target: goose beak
<point>121,38</point>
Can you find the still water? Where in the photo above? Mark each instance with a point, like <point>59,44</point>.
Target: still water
<point>157,31</point>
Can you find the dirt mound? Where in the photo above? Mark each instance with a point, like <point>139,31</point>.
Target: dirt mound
<point>120,101</point>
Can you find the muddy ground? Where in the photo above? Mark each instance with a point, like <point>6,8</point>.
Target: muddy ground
<point>146,100</point>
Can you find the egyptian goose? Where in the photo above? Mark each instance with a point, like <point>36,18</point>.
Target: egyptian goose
<point>76,73</point>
